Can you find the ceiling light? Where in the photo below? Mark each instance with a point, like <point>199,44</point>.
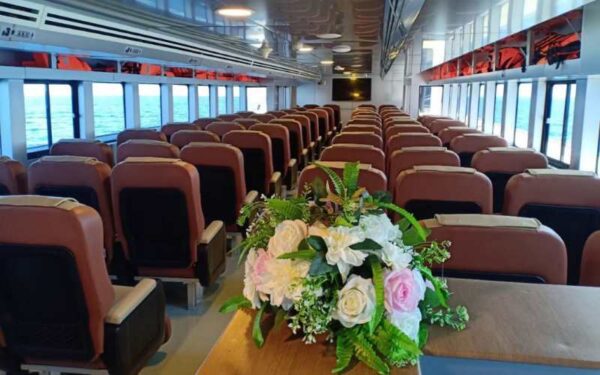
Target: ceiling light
<point>347,73</point>
<point>339,68</point>
<point>327,62</point>
<point>342,48</point>
<point>329,36</point>
<point>237,12</point>
<point>305,49</point>
<point>356,66</point>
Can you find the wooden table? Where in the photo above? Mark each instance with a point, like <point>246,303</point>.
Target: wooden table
<point>511,322</point>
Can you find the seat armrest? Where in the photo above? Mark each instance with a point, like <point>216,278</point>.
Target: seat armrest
<point>275,184</point>
<point>251,197</point>
<point>211,231</point>
<point>292,175</point>
<point>127,299</point>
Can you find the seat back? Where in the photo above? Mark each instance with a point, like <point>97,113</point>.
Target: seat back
<point>158,214</point>
<point>360,128</point>
<point>184,137</point>
<point>364,154</point>
<point>565,200</point>
<point>590,263</point>
<point>244,114</point>
<point>370,178</point>
<point>364,138</point>
<point>304,121</point>
<point>174,127</point>
<point>84,147</point>
<point>84,179</point>
<point>258,160</point>
<point>467,145</point>
<point>221,128</point>
<point>204,121</point>
<point>368,106</point>
<point>229,117</point>
<point>501,248</point>
<point>364,121</point>
<point>54,288</point>
<point>429,190</point>
<point>438,125</point>
<point>451,132</point>
<point>221,170</point>
<point>264,117</point>
<point>13,177</point>
<point>399,129</point>
<point>403,140</point>
<point>311,106</point>
<point>500,164</point>
<point>247,122</point>
<point>280,145</point>
<point>289,111</point>
<point>145,148</point>
<point>277,114</point>
<point>296,134</point>
<point>149,134</point>
<point>330,118</point>
<point>323,121</point>
<point>428,119</point>
<point>408,157</point>
<point>337,113</point>
<point>314,124</point>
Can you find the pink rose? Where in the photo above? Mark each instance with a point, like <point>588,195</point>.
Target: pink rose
<point>403,290</point>
<point>260,265</point>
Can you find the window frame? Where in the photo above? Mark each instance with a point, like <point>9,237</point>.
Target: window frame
<point>468,106</point>
<point>421,88</point>
<point>517,113</point>
<point>545,127</point>
<point>481,110</point>
<point>39,151</point>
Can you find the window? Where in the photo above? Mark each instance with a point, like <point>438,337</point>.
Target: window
<point>432,53</point>
<point>504,14</point>
<point>237,100</point>
<point>458,98</point>
<point>558,129</point>
<point>109,108</point>
<point>598,157</point>
<point>203,101</point>
<point>530,12</point>
<point>521,134</point>
<point>498,109</point>
<point>49,114</point>
<point>222,100</point>
<point>450,92</point>
<point>257,99</point>
<point>481,107</point>
<point>430,100</point>
<point>177,7</point>
<point>180,103</point>
<point>468,106</point>
<point>149,106</point>
<point>485,28</point>
<point>468,36</point>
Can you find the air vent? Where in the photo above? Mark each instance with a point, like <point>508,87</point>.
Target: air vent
<point>74,24</point>
<point>23,14</point>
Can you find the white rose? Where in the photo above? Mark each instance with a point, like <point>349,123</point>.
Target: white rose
<point>379,228</point>
<point>339,253</point>
<point>395,257</point>
<point>407,322</point>
<point>287,237</point>
<point>283,280</point>
<point>356,302</point>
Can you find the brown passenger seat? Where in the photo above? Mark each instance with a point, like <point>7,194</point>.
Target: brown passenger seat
<point>403,140</point>
<point>399,129</point>
<point>467,145</point>
<point>438,126</point>
<point>301,148</point>
<point>364,138</point>
<point>426,190</point>
<point>184,137</point>
<point>221,128</point>
<point>203,122</point>
<point>372,179</point>
<point>451,132</point>
<point>59,308</point>
<point>337,114</point>
<point>244,114</point>
<point>408,157</point>
<point>501,163</point>
<point>174,127</point>
<point>264,117</point>
<point>360,128</point>
<point>323,122</point>
<point>84,147</point>
<point>149,134</point>
<point>365,154</point>
<point>500,248</point>
<point>13,177</point>
<point>258,160</point>
<point>280,148</point>
<point>145,148</point>
<point>247,122</point>
<point>228,117</point>
<point>590,263</point>
<point>159,222</point>
<point>222,181</point>
<point>309,140</point>
<point>364,121</point>
<point>565,200</point>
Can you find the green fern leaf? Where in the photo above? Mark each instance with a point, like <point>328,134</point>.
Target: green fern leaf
<point>351,172</point>
<point>344,351</point>
<point>422,233</point>
<point>287,209</point>
<point>338,184</point>
<point>365,353</point>
<point>378,283</point>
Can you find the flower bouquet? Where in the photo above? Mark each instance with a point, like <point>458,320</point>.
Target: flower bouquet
<point>332,262</point>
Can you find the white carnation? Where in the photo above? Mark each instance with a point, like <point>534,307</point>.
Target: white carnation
<point>395,257</point>
<point>407,322</point>
<point>339,253</point>
<point>379,228</point>
<point>356,302</point>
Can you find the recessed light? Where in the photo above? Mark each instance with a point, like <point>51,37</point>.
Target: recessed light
<point>342,48</point>
<point>305,49</point>
<point>347,73</point>
<point>329,36</point>
<point>327,62</point>
<point>339,68</point>
<point>356,66</point>
<point>235,12</point>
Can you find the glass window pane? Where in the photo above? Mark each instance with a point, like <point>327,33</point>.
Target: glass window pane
<point>468,107</point>
<point>36,121</point>
<point>521,135</point>
<point>485,29</point>
<point>180,103</point>
<point>222,100</point>
<point>481,106</point>
<point>177,7</point>
<point>432,53</point>
<point>569,126</point>
<point>203,101</point>
<point>150,106</point>
<point>237,102</point>
<point>504,12</point>
<point>61,112</point>
<point>430,100</point>
<point>555,121</point>
<point>498,109</point>
<point>529,12</point>
<point>257,99</point>
<point>109,108</point>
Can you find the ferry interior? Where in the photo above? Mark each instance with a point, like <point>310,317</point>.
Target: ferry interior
<point>132,133</point>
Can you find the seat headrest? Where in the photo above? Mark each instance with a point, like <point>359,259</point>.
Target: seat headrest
<point>149,159</point>
<point>560,172</point>
<point>68,159</point>
<point>422,149</point>
<point>511,149</point>
<point>147,142</point>
<point>446,169</point>
<point>79,140</point>
<point>483,221</point>
<point>4,159</point>
<point>66,204</point>
<point>341,165</point>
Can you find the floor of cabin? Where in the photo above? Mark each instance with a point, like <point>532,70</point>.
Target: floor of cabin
<point>195,331</point>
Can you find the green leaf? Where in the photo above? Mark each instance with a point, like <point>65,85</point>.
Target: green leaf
<point>279,318</point>
<point>257,335</point>
<point>318,189</point>
<point>367,244</point>
<point>404,225</point>
<point>317,243</point>
<point>400,339</point>
<point>341,221</point>
<point>319,266</point>
<point>440,290</point>
<point>408,216</point>
<point>431,299</point>
<point>338,184</point>
<point>365,353</point>
<point>379,296</point>
<point>301,254</point>
<point>351,172</point>
<point>383,196</point>
<point>235,303</point>
<point>286,209</point>
<point>411,237</point>
<point>423,335</point>
<point>344,351</point>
